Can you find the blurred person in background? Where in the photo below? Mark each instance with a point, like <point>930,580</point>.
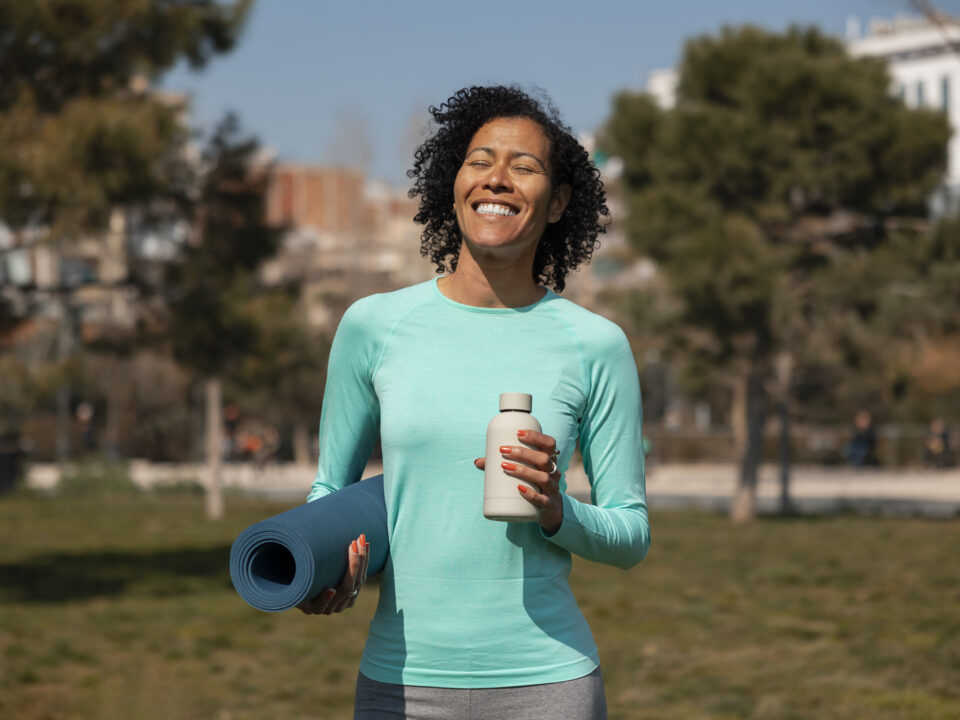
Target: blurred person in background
<point>936,446</point>
<point>861,451</point>
<point>84,414</point>
<point>476,618</point>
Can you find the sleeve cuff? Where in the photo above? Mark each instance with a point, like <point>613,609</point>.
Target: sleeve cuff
<point>565,524</point>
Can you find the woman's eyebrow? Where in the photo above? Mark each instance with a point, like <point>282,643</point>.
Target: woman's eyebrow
<point>513,156</point>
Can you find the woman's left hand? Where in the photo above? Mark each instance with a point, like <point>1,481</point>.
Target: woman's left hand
<point>538,467</point>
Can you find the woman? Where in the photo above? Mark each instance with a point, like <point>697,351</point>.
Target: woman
<point>476,618</point>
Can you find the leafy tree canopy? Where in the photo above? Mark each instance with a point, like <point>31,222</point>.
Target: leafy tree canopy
<point>79,133</point>
<point>781,155</point>
<point>211,286</point>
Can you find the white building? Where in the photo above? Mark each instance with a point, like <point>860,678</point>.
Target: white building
<point>923,58</point>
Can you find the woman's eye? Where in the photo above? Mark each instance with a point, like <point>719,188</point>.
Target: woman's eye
<point>523,169</point>
<point>478,164</point>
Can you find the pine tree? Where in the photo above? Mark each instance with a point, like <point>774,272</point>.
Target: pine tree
<point>80,131</point>
<point>783,159</point>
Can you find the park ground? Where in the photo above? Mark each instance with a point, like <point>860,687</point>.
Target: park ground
<point>120,606</point>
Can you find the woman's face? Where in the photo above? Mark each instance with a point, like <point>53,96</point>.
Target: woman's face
<point>502,194</point>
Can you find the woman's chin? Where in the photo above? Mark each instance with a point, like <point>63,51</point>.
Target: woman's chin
<point>501,252</point>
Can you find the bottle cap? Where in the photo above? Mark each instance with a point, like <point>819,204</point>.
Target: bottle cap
<point>516,401</point>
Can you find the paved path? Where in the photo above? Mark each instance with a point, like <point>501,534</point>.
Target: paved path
<point>706,486</point>
<point>813,489</point>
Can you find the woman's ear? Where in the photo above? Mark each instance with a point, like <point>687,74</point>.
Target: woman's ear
<point>558,203</point>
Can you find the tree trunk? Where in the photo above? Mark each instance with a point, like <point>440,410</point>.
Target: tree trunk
<point>64,350</point>
<point>784,378</point>
<point>301,444</point>
<point>744,506</point>
<point>738,415</point>
<point>786,505</point>
<point>214,494</point>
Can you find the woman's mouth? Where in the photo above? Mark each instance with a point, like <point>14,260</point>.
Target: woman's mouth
<point>487,208</point>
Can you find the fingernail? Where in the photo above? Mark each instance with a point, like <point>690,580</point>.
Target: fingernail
<point>363,538</point>
<point>367,547</point>
<point>508,466</point>
<point>506,449</point>
<point>330,593</point>
<point>522,488</point>
<point>353,546</point>
<point>521,433</point>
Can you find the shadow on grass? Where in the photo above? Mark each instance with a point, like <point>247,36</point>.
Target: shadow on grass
<point>60,577</point>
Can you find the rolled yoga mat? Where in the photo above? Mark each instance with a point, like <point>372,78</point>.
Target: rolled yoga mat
<point>279,562</point>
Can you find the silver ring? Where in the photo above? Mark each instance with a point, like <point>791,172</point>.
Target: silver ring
<point>556,453</point>
<point>554,469</point>
<point>353,593</point>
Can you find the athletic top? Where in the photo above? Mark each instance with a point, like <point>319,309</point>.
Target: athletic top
<point>468,602</point>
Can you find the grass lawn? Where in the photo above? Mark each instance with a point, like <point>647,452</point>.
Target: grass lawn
<point>121,607</point>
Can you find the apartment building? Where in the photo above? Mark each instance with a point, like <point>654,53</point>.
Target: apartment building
<point>923,57</point>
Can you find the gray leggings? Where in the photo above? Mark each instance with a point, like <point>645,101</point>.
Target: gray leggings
<point>580,699</point>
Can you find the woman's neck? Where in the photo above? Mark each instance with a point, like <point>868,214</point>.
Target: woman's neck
<point>491,285</point>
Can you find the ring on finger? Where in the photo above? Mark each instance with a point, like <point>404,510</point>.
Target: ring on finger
<point>353,593</point>
<point>553,468</point>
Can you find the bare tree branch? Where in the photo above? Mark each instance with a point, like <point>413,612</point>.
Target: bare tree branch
<point>942,20</point>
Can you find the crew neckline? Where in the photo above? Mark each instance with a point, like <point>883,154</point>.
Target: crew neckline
<point>490,310</point>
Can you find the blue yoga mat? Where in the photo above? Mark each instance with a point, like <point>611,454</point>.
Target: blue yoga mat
<point>279,562</point>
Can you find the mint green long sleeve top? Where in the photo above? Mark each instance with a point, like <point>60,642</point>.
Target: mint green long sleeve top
<point>468,602</point>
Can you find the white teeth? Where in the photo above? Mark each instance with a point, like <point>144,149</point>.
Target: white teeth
<point>494,209</point>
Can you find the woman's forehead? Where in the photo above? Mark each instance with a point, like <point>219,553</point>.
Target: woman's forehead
<point>511,131</point>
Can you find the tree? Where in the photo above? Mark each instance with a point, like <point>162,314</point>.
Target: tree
<point>81,132</point>
<point>783,159</point>
<point>211,286</point>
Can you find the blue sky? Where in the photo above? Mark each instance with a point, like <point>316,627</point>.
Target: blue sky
<point>350,81</point>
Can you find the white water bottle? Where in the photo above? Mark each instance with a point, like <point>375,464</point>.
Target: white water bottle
<point>501,498</point>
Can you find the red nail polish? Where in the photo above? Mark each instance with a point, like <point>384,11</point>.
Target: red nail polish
<point>522,488</point>
<point>508,466</point>
<point>363,539</point>
<point>353,546</point>
<point>521,433</point>
<point>505,449</point>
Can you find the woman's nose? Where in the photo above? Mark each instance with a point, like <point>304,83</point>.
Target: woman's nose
<point>498,178</point>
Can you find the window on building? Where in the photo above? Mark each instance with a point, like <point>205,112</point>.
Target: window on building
<point>945,93</point>
<point>920,93</point>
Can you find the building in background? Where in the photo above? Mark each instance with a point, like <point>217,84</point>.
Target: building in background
<point>923,57</point>
<point>346,237</point>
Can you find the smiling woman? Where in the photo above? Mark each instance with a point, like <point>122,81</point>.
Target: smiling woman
<point>476,618</point>
<point>557,156</point>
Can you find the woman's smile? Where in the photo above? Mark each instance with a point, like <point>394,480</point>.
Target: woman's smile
<point>488,208</point>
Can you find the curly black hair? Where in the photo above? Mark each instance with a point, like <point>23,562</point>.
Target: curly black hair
<point>566,243</point>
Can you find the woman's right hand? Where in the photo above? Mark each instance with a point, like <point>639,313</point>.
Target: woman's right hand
<point>338,599</point>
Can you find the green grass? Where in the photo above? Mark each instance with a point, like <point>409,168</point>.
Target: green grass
<point>121,607</point>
